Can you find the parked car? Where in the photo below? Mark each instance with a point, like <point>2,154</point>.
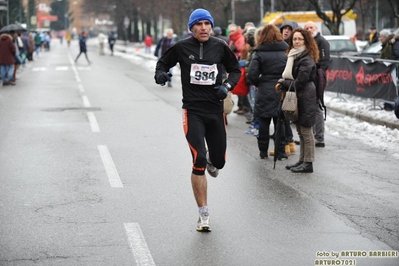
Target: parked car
<point>341,45</point>
<point>372,50</point>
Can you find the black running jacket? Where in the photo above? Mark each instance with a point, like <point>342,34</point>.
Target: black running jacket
<point>199,63</point>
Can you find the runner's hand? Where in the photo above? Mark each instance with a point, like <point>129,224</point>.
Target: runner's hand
<point>221,91</point>
<point>162,78</point>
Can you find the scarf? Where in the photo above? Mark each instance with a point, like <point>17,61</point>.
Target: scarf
<point>287,74</point>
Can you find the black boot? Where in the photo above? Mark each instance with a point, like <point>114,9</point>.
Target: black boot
<point>288,167</point>
<point>281,155</point>
<point>263,154</point>
<point>303,168</point>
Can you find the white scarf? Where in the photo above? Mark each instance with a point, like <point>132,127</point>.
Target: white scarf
<point>287,74</point>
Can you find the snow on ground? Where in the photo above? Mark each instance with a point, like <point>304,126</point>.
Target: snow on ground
<point>377,136</point>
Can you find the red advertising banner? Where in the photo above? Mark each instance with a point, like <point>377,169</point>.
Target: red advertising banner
<point>368,80</point>
<point>49,18</point>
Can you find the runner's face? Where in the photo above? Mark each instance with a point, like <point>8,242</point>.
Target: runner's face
<point>202,30</point>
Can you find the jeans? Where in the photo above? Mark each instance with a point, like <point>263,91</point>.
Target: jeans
<point>252,97</point>
<point>6,72</point>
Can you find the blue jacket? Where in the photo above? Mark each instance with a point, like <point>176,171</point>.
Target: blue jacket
<point>82,44</point>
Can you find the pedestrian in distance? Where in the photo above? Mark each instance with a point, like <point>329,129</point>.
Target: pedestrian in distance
<point>101,42</point>
<point>201,59</point>
<point>31,46</point>
<point>111,41</point>
<point>217,33</point>
<point>83,47</point>
<point>38,43</point>
<point>300,72</point>
<point>163,45</point>
<point>395,47</point>
<point>250,37</point>
<point>7,58</point>
<point>322,66</point>
<point>148,40</point>
<point>373,35</point>
<point>236,44</point>
<point>68,38</point>
<point>385,37</point>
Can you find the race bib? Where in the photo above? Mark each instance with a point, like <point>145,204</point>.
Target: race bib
<point>203,74</point>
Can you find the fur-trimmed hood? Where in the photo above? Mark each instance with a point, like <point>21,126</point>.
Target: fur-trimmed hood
<point>5,35</point>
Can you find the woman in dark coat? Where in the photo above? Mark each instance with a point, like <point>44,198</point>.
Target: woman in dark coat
<point>300,70</point>
<point>264,71</point>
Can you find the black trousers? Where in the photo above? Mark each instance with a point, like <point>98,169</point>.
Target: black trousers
<point>201,130</point>
<point>264,135</point>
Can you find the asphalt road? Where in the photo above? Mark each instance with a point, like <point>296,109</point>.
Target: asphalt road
<point>95,170</point>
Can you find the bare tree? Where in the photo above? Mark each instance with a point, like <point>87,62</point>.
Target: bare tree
<point>394,7</point>
<point>339,9</point>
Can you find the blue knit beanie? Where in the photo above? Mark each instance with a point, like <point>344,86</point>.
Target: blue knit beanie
<point>198,15</point>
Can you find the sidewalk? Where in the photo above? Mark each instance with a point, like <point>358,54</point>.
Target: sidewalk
<point>361,108</point>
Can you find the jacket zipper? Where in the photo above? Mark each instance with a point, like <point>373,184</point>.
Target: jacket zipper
<point>201,50</point>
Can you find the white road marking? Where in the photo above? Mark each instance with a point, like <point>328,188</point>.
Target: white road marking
<point>61,68</point>
<point>39,69</point>
<point>138,245</point>
<point>75,71</point>
<point>86,102</point>
<point>113,176</point>
<point>81,88</point>
<point>93,122</point>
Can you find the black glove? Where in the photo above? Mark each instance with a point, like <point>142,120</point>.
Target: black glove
<point>234,48</point>
<point>162,78</point>
<point>222,90</point>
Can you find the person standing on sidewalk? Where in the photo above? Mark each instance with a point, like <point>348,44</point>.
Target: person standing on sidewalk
<point>83,47</point>
<point>101,42</point>
<point>322,66</point>
<point>7,58</point>
<point>148,40</point>
<point>265,69</point>
<point>236,44</point>
<point>201,60</point>
<point>300,73</point>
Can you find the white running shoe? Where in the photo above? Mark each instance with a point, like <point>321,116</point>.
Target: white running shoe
<point>212,170</point>
<point>203,223</point>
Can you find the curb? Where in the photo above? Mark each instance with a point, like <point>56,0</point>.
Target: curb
<point>366,118</point>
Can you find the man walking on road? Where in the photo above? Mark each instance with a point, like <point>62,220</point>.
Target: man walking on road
<point>201,59</point>
<point>111,42</point>
<point>322,66</point>
<point>82,47</point>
